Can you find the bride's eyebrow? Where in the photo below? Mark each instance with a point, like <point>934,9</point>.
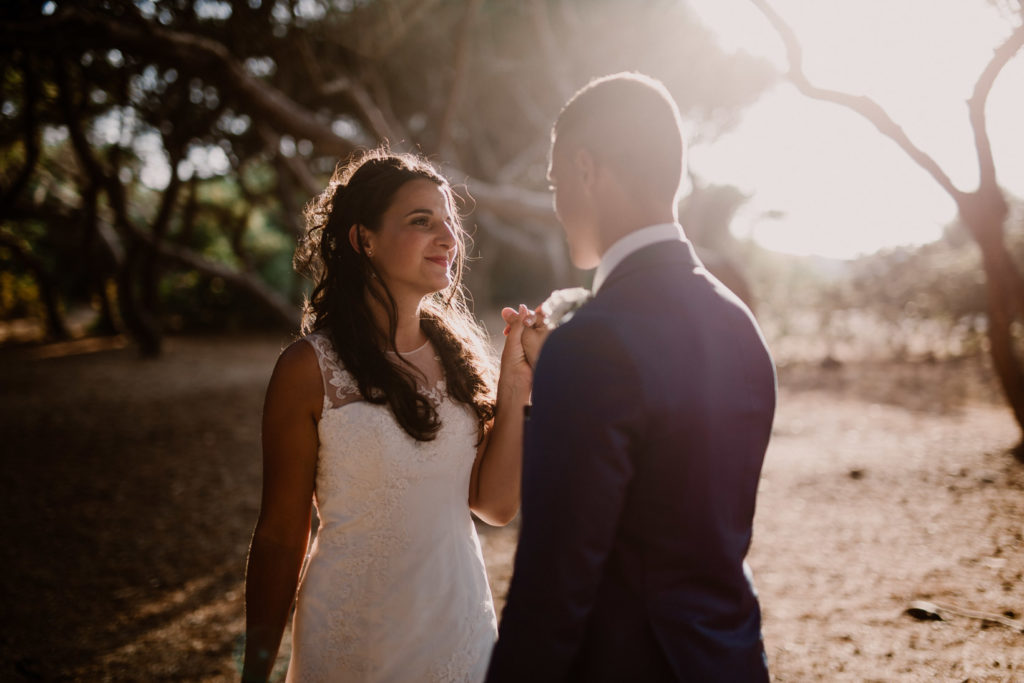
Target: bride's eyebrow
<point>428,212</point>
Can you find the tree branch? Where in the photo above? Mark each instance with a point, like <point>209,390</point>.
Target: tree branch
<point>213,62</point>
<point>293,164</point>
<point>55,325</point>
<point>369,113</point>
<point>406,17</point>
<point>528,210</point>
<point>863,105</point>
<point>79,144</point>
<point>290,209</point>
<point>383,126</point>
<point>552,55</point>
<point>251,283</point>
<point>158,230</point>
<point>195,54</point>
<point>377,91</point>
<point>976,106</point>
<point>31,139</point>
<point>444,134</point>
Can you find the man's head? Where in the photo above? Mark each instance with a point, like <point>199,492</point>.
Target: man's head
<point>616,157</point>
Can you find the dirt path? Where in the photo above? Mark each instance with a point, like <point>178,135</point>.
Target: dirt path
<point>130,488</point>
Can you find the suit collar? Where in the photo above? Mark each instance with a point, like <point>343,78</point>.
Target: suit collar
<point>633,242</point>
<point>678,253</point>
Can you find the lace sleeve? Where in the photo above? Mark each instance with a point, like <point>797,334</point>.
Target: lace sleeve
<point>339,387</point>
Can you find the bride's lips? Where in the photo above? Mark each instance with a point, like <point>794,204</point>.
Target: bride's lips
<point>439,260</point>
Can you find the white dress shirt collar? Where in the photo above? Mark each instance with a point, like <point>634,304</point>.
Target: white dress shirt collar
<point>634,241</point>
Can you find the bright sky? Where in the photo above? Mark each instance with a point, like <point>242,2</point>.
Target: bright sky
<point>843,187</point>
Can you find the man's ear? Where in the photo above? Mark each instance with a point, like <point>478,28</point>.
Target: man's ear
<point>584,164</point>
<point>357,236</point>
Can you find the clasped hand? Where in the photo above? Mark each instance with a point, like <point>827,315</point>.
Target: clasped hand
<point>531,328</point>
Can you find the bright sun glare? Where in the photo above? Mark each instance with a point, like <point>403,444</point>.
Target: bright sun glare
<point>840,187</point>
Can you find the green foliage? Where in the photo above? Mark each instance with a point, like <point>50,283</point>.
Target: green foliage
<point>194,302</point>
<point>19,293</point>
<point>271,251</point>
<point>150,111</point>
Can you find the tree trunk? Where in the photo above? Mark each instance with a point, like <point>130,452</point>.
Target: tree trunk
<point>139,322</point>
<point>107,323</point>
<point>1004,306</point>
<point>55,326</point>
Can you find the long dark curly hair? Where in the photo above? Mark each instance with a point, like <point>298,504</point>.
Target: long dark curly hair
<point>359,192</point>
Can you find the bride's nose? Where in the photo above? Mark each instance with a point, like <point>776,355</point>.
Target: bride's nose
<point>446,236</point>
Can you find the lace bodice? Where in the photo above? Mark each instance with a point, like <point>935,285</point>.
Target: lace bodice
<point>395,587</point>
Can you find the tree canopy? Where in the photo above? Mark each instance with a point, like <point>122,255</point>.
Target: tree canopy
<point>157,155</point>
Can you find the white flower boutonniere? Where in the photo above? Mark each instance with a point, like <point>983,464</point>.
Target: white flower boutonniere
<point>562,305</point>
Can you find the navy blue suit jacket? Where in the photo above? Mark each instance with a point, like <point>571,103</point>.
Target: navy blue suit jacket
<point>652,409</point>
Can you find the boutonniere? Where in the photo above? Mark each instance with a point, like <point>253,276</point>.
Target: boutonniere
<point>559,308</point>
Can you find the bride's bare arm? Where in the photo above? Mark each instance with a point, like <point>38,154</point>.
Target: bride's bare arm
<point>494,483</point>
<point>291,409</point>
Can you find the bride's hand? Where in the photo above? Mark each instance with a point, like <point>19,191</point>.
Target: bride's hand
<point>516,371</point>
<point>534,330</point>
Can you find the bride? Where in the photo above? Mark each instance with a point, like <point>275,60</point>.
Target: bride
<point>386,417</point>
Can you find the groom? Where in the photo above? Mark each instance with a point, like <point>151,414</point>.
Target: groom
<point>652,409</point>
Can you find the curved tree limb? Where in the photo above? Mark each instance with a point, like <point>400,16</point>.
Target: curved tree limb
<point>245,281</point>
<point>863,105</point>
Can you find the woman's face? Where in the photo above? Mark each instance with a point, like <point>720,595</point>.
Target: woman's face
<point>415,245</point>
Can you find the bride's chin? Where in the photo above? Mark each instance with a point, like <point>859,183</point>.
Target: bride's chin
<point>435,288</point>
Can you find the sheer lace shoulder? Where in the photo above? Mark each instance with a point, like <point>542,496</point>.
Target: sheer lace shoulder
<point>339,386</point>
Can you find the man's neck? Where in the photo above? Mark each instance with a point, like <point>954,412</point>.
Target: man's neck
<point>625,225</point>
<point>630,243</point>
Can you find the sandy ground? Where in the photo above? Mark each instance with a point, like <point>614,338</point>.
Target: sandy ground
<point>130,488</point>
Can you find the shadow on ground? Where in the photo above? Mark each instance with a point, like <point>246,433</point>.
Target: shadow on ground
<point>131,487</point>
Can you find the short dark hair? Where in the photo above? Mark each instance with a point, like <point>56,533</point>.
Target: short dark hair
<point>630,121</point>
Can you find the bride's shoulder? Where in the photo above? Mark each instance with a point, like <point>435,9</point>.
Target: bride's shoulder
<point>295,384</point>
<point>300,356</point>
<point>300,352</point>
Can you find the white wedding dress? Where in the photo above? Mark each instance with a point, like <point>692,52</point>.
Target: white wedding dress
<point>395,587</point>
